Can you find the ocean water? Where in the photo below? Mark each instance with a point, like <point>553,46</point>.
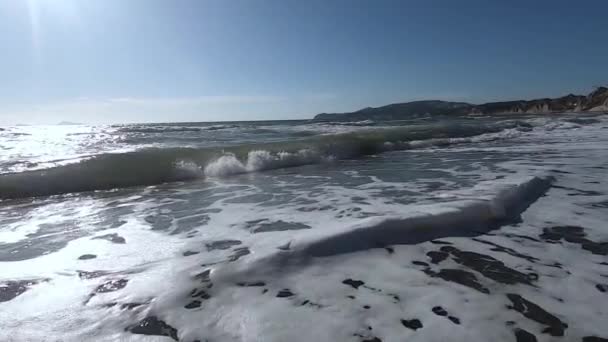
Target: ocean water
<point>433,229</point>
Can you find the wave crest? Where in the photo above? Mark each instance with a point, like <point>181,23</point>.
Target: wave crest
<point>160,165</point>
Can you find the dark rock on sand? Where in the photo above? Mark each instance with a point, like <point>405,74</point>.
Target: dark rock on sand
<point>354,283</point>
<point>87,257</point>
<point>523,336</point>
<point>602,287</point>
<point>222,244</point>
<point>285,293</point>
<point>114,238</point>
<point>555,327</point>
<point>154,326</point>
<point>189,253</point>
<point>413,324</point>
<point>461,277</point>
<point>488,266</point>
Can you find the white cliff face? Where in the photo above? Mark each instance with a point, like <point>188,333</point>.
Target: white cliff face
<point>602,108</point>
<point>599,96</point>
<point>596,101</point>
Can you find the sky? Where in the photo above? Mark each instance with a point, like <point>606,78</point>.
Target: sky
<point>115,61</point>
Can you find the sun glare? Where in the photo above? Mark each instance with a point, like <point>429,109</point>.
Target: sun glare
<point>43,11</point>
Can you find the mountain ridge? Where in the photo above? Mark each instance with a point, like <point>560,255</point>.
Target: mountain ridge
<point>596,101</point>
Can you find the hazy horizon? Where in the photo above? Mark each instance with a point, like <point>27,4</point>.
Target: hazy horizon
<point>192,61</point>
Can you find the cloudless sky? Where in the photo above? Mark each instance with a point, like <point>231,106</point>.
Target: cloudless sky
<point>102,61</point>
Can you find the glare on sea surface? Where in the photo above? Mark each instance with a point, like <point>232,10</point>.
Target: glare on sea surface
<point>49,145</point>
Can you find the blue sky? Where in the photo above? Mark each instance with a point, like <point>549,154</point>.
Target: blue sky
<point>101,61</point>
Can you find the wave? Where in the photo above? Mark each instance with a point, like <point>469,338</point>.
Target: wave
<point>350,123</point>
<point>219,127</point>
<point>160,165</point>
<point>169,129</point>
<point>159,129</point>
<point>452,219</point>
<point>471,219</point>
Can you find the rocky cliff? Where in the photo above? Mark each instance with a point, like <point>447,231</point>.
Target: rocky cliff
<point>596,101</point>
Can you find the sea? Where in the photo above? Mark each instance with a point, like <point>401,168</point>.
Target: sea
<point>476,228</point>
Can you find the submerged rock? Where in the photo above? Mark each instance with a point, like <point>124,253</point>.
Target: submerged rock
<point>222,244</point>
<point>114,238</point>
<point>193,304</point>
<point>284,293</point>
<point>574,234</point>
<point>238,253</point>
<point>252,284</point>
<point>153,326</point>
<point>461,277</point>
<point>278,226</point>
<point>413,324</point>
<point>439,311</point>
<point>91,274</point>
<point>522,335</point>
<point>489,267</point>
<point>555,327</point>
<point>594,339</point>
<point>87,257</point>
<point>111,286</point>
<point>437,257</point>
<point>11,289</point>
<point>354,283</point>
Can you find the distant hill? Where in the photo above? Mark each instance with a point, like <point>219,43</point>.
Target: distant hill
<point>68,123</point>
<point>596,101</point>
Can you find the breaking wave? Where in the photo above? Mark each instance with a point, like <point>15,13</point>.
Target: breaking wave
<point>470,219</point>
<point>159,165</point>
<point>503,206</point>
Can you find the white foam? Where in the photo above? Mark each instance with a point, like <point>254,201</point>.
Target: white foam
<point>158,272</point>
<point>259,160</point>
